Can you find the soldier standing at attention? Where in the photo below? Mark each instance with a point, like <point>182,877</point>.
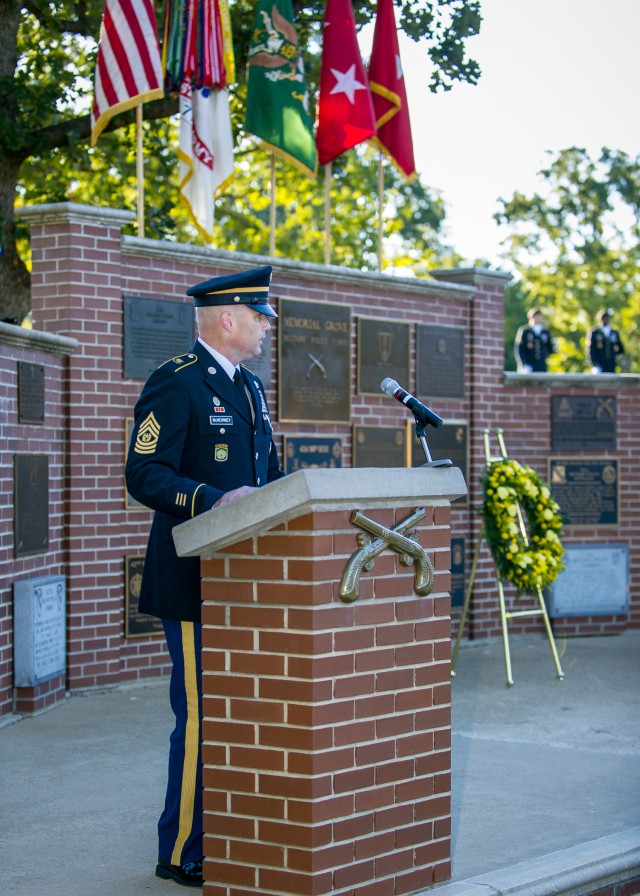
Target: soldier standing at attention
<point>533,344</point>
<point>604,345</point>
<point>202,437</point>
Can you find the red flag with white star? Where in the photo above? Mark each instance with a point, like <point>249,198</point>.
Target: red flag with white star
<point>386,80</point>
<point>345,109</point>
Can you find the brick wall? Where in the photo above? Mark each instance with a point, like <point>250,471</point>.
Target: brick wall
<point>82,267</point>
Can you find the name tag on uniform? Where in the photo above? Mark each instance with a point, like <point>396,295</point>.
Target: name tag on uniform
<point>216,419</point>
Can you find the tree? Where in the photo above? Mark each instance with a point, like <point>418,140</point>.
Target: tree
<point>576,245</point>
<point>47,58</point>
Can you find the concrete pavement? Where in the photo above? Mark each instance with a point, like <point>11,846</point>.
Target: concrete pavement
<point>546,777</point>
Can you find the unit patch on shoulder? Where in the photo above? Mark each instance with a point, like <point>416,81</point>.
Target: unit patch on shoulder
<point>148,434</point>
<point>221,452</point>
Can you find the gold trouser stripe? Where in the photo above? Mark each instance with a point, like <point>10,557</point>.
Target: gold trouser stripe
<point>191,742</point>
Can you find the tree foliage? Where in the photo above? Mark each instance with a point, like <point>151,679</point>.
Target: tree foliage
<point>47,59</point>
<point>576,245</point>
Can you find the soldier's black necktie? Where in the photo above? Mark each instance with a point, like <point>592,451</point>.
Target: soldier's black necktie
<point>240,386</point>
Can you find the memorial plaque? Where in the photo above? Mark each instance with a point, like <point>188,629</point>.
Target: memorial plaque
<point>154,331</point>
<point>30,392</point>
<point>439,361</point>
<point>314,369</point>
<point>594,582</point>
<point>383,350</point>
<point>457,572</point>
<point>305,452</point>
<point>449,440</point>
<point>587,489</point>
<point>137,625</point>
<point>379,446</point>
<point>31,504</point>
<point>583,423</point>
<point>39,630</point>
<point>261,364</point>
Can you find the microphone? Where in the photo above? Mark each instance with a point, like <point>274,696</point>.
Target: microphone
<point>420,411</point>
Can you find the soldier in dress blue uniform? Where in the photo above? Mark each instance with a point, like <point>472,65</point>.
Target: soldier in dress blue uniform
<point>533,344</point>
<point>202,437</point>
<point>604,345</point>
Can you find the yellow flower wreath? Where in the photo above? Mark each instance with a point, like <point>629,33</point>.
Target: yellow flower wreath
<point>528,566</point>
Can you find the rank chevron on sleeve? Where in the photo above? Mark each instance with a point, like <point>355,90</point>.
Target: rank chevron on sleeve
<point>148,434</point>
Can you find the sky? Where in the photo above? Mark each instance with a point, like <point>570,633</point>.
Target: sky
<point>555,74</point>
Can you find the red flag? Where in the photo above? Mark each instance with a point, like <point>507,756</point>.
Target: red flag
<point>128,66</point>
<point>389,94</point>
<point>345,108</point>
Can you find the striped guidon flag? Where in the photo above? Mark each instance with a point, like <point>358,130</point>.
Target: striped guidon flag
<point>128,66</point>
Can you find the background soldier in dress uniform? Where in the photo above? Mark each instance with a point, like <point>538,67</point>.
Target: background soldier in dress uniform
<point>533,344</point>
<point>202,437</point>
<point>604,345</point>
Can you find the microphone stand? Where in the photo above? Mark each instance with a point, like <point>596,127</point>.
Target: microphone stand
<point>420,433</point>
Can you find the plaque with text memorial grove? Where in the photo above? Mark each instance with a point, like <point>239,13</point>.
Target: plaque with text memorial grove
<point>314,369</point>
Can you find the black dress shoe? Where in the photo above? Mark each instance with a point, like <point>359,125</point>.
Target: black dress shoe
<point>189,874</point>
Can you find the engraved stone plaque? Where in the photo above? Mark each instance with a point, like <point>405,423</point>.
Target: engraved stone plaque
<point>439,361</point>
<point>314,370</point>
<point>457,572</point>
<point>31,503</point>
<point>379,446</point>
<point>383,350</point>
<point>303,452</point>
<point>594,582</point>
<point>587,489</point>
<point>583,423</point>
<point>449,440</point>
<point>137,625</point>
<point>30,392</point>
<point>154,331</point>
<point>39,629</point>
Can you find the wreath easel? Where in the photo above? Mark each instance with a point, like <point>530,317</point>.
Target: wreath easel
<point>529,556</point>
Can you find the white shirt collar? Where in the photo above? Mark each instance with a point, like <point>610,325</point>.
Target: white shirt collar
<point>225,363</point>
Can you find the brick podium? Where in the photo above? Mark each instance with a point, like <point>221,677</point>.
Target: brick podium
<point>327,729</point>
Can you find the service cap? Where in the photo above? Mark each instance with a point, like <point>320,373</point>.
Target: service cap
<point>246,288</point>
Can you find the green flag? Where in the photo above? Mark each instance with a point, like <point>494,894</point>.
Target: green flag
<point>277,96</point>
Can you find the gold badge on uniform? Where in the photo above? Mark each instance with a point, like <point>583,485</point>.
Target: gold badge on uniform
<point>148,434</point>
<point>221,452</point>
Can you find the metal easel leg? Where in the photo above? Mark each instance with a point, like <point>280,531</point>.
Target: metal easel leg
<point>505,634</point>
<point>552,643</point>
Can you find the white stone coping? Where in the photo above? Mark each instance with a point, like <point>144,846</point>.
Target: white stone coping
<point>577,380</point>
<point>74,211</point>
<point>310,490</point>
<point>569,872</point>
<point>37,340</point>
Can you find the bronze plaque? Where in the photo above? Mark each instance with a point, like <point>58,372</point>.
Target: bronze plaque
<point>304,452</point>
<point>314,369</point>
<point>30,392</point>
<point>450,440</point>
<point>457,572</point>
<point>439,361</point>
<point>154,331</point>
<point>379,446</point>
<point>31,503</point>
<point>587,490</point>
<point>583,423</point>
<point>137,625</point>
<point>383,350</point>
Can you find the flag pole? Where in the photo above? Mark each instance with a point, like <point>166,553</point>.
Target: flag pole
<point>380,202</point>
<point>327,213</point>
<point>139,170</point>
<point>272,208</point>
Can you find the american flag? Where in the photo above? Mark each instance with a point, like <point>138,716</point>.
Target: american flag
<point>128,67</point>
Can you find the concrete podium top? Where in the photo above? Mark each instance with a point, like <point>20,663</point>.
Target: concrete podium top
<point>309,490</point>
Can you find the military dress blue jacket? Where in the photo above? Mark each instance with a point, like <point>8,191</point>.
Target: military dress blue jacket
<point>192,440</point>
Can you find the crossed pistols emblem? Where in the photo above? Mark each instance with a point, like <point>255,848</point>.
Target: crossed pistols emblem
<point>368,549</point>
